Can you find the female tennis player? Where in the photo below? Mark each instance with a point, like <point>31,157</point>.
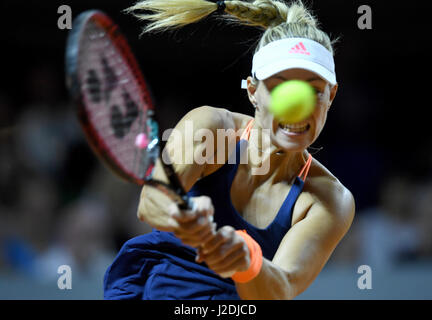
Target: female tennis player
<point>275,230</point>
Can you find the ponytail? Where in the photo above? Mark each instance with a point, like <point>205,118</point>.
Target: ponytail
<point>279,19</point>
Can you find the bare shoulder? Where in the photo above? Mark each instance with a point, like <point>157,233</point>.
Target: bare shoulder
<point>240,120</point>
<point>216,118</point>
<point>204,117</point>
<point>330,194</point>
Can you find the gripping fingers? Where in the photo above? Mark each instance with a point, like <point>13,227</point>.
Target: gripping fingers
<point>198,238</point>
<point>224,251</point>
<point>199,206</point>
<point>194,226</point>
<point>228,264</point>
<point>195,220</point>
<point>237,261</point>
<point>211,245</point>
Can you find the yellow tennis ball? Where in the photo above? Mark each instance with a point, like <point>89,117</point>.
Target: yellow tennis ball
<point>292,101</point>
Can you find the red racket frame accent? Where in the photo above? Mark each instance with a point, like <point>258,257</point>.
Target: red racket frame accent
<point>174,189</point>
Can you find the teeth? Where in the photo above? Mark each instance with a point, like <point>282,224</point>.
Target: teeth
<point>295,127</point>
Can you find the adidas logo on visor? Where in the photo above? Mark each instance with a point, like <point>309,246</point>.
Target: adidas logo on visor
<point>299,48</point>
<point>289,53</point>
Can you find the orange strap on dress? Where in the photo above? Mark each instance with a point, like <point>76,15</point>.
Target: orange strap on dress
<point>306,168</point>
<point>246,133</point>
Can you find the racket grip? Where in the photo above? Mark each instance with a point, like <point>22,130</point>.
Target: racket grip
<point>186,204</point>
<point>189,204</point>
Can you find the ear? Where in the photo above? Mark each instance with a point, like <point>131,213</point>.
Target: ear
<point>333,91</point>
<point>251,89</point>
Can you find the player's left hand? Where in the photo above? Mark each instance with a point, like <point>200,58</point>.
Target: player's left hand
<point>225,253</point>
<point>195,226</point>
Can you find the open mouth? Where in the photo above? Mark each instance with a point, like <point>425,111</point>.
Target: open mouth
<point>295,128</point>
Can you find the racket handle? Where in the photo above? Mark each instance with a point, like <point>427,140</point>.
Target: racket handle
<point>187,203</point>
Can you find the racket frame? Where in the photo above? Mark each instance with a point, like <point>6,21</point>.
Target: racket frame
<point>174,189</point>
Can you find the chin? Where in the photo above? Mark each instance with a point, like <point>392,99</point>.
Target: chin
<point>292,138</point>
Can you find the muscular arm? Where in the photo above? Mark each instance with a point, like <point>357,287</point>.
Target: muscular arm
<point>303,251</point>
<point>154,206</point>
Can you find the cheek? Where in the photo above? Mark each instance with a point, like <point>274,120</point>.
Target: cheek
<point>320,112</point>
<point>263,100</point>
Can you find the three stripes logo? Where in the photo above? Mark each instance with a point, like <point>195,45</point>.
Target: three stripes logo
<point>299,48</point>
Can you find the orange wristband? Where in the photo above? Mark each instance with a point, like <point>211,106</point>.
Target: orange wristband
<point>256,259</point>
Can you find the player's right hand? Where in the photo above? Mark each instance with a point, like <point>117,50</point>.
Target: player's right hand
<point>195,226</point>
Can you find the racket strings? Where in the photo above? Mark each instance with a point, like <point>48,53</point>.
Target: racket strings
<point>113,96</point>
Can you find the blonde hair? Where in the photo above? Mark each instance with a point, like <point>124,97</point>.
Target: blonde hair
<point>279,19</point>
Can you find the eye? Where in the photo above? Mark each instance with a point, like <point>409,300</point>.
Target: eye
<point>318,86</point>
<point>319,93</point>
<point>271,83</point>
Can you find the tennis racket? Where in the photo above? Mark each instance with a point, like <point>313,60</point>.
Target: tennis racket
<point>114,104</point>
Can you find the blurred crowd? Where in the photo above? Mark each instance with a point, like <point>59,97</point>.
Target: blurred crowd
<point>59,205</point>
<point>394,232</point>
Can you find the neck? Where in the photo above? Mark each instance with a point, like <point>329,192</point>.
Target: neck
<point>274,163</point>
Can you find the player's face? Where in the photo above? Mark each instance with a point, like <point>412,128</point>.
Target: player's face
<point>299,136</point>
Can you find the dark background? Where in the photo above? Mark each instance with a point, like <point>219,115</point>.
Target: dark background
<point>378,127</point>
<point>377,122</point>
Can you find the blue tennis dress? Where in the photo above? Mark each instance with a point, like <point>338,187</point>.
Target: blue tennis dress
<point>157,266</point>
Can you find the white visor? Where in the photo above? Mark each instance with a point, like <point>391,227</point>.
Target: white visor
<point>293,53</point>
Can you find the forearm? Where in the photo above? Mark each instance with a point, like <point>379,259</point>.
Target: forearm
<point>272,283</point>
<point>154,209</point>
